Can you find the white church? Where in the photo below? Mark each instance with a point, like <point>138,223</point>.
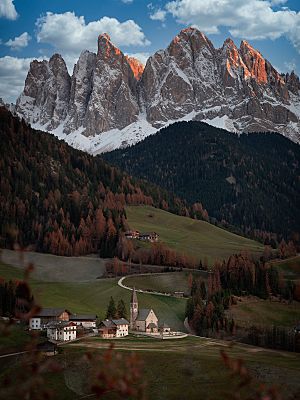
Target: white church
<point>144,319</point>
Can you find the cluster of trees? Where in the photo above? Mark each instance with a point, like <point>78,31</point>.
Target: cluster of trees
<point>273,337</point>
<point>116,311</point>
<point>157,254</point>
<point>242,275</point>
<point>248,181</point>
<point>15,298</point>
<point>61,200</point>
<point>205,309</point>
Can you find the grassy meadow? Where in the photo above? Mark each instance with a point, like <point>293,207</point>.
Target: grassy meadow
<point>166,282</point>
<point>93,297</point>
<point>290,268</point>
<point>255,311</point>
<point>191,367</point>
<point>197,239</point>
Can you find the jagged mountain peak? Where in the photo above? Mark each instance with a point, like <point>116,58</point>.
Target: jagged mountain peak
<point>255,62</point>
<point>136,66</point>
<point>112,100</point>
<point>106,48</point>
<point>104,36</point>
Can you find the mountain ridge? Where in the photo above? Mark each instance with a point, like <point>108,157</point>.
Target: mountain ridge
<point>249,180</point>
<point>113,101</point>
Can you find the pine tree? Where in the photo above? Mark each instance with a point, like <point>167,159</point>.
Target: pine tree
<point>121,309</point>
<point>111,309</point>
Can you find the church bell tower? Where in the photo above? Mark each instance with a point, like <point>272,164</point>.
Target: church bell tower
<point>134,309</point>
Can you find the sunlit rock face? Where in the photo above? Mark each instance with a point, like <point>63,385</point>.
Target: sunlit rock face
<point>230,87</point>
<point>136,66</point>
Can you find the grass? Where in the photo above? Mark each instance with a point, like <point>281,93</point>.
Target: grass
<point>254,311</point>
<point>290,267</point>
<point>93,297</point>
<point>197,239</point>
<point>191,368</point>
<point>13,338</point>
<point>50,268</point>
<point>165,282</point>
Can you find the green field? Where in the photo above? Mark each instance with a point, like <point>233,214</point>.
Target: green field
<point>187,369</point>
<point>254,311</point>
<point>93,297</point>
<point>190,367</point>
<point>51,268</point>
<point>289,267</point>
<point>165,282</point>
<point>198,239</point>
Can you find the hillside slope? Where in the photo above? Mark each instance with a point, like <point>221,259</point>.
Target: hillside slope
<point>61,200</point>
<point>251,180</point>
<point>198,239</point>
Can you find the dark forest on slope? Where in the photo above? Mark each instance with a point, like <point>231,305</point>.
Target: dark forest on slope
<point>250,181</point>
<point>61,200</point>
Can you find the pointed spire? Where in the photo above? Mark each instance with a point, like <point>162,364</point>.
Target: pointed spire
<point>134,296</point>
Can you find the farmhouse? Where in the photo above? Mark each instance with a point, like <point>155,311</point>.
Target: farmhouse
<point>149,237</point>
<point>46,315</point>
<point>61,331</point>
<point>84,320</point>
<point>143,320</point>
<point>132,234</point>
<point>114,328</point>
<point>146,237</point>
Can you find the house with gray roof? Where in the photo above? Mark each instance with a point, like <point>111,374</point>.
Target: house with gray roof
<point>45,315</point>
<point>114,328</point>
<point>85,320</point>
<point>61,331</point>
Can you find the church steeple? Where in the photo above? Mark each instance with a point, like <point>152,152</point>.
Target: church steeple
<point>134,308</point>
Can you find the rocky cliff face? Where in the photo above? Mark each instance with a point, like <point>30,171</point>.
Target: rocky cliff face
<point>113,100</point>
<point>46,96</point>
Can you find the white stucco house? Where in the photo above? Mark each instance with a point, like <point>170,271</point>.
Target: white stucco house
<point>61,331</point>
<point>114,328</point>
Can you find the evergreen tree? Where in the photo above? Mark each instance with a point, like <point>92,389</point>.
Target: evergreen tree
<point>121,309</point>
<point>111,309</point>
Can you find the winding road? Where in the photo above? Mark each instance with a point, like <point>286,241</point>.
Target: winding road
<point>121,284</point>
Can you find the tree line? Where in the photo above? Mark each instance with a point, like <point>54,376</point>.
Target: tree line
<point>63,201</point>
<point>240,275</point>
<point>15,298</point>
<point>248,183</point>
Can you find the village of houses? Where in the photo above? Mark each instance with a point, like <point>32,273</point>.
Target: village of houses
<point>61,325</point>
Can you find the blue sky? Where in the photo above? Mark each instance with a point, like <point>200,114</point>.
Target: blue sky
<point>37,28</point>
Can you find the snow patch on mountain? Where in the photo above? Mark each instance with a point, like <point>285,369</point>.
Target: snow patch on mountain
<point>112,101</point>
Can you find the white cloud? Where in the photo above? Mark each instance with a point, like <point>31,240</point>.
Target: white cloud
<point>70,34</point>
<point>158,15</point>
<point>254,19</point>
<point>8,10</point>
<point>142,57</point>
<point>290,65</point>
<point>19,41</point>
<point>127,1</point>
<point>13,72</point>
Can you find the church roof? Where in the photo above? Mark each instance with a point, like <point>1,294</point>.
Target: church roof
<point>143,314</point>
<point>134,296</point>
